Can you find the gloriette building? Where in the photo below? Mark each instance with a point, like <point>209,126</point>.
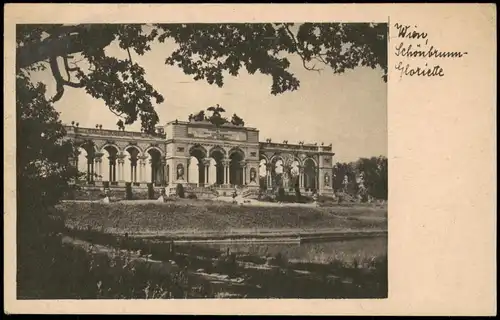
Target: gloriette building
<point>200,156</point>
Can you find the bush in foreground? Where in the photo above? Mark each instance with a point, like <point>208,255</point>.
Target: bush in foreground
<point>179,190</point>
<point>68,272</point>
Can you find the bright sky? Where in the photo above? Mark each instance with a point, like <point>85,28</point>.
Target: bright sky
<point>348,110</point>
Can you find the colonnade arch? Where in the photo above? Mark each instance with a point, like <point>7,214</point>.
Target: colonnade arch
<point>217,154</point>
<point>288,172</point>
<point>263,172</point>
<point>212,165</point>
<point>132,168</point>
<point>293,174</point>
<point>216,166</point>
<point>110,163</point>
<point>109,169</point>
<point>155,166</point>
<point>236,166</point>
<point>196,165</point>
<point>85,161</point>
<point>310,174</point>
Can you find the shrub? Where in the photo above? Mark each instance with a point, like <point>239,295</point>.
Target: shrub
<point>281,193</point>
<point>68,272</point>
<point>179,190</point>
<point>297,193</point>
<point>192,196</point>
<point>267,198</point>
<point>151,191</point>
<point>128,191</point>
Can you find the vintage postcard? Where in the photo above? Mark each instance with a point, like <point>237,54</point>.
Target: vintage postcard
<point>250,159</point>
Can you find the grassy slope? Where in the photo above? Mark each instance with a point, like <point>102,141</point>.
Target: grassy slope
<point>192,215</point>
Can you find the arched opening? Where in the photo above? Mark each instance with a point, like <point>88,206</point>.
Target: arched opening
<point>197,164</point>
<point>131,164</point>
<point>277,169</point>
<point>110,170</point>
<point>82,165</point>
<point>85,162</point>
<point>309,175</point>
<point>294,172</point>
<point>193,170</point>
<point>235,167</point>
<point>155,174</point>
<point>212,171</point>
<point>263,177</point>
<point>217,166</point>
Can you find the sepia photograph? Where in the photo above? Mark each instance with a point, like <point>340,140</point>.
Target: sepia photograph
<point>239,159</point>
<point>202,160</point>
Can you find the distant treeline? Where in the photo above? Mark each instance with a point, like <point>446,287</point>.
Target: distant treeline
<point>366,177</point>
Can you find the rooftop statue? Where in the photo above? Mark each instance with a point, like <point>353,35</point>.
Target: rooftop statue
<point>216,118</point>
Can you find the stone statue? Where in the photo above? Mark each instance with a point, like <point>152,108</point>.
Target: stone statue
<point>345,183</point>
<point>180,172</point>
<point>327,180</point>
<point>200,116</point>
<point>253,175</point>
<point>106,196</point>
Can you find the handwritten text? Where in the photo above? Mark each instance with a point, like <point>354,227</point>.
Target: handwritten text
<point>415,44</point>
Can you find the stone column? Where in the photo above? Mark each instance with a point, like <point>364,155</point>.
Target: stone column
<point>316,174</point>
<point>142,170</point>
<point>286,177</point>
<point>90,170</point>
<point>112,170</point>
<point>100,169</point>
<point>163,172</point>
<point>301,177</point>
<point>97,168</point>
<point>243,165</point>
<point>269,181</point>
<point>226,174</point>
<point>188,165</point>
<point>150,173</point>
<point>206,163</point>
<point>226,162</point>
<point>120,172</point>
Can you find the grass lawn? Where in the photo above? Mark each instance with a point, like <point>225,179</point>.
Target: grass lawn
<point>196,216</point>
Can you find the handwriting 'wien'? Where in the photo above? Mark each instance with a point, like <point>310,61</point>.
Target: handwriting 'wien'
<point>405,31</point>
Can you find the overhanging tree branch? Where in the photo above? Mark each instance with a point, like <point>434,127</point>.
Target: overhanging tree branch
<point>300,51</point>
<point>60,82</point>
<point>62,41</point>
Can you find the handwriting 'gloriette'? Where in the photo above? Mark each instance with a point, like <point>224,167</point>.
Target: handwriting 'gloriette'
<point>415,44</point>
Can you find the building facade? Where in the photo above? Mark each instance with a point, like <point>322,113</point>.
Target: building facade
<point>198,154</point>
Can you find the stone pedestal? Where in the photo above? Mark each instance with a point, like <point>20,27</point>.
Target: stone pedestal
<point>327,192</point>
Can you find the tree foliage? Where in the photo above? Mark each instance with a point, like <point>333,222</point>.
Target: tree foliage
<point>205,51</point>
<point>43,164</point>
<point>375,176</point>
<point>374,173</point>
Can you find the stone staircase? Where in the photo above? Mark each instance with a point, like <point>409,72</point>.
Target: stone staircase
<point>249,193</point>
<point>201,192</point>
